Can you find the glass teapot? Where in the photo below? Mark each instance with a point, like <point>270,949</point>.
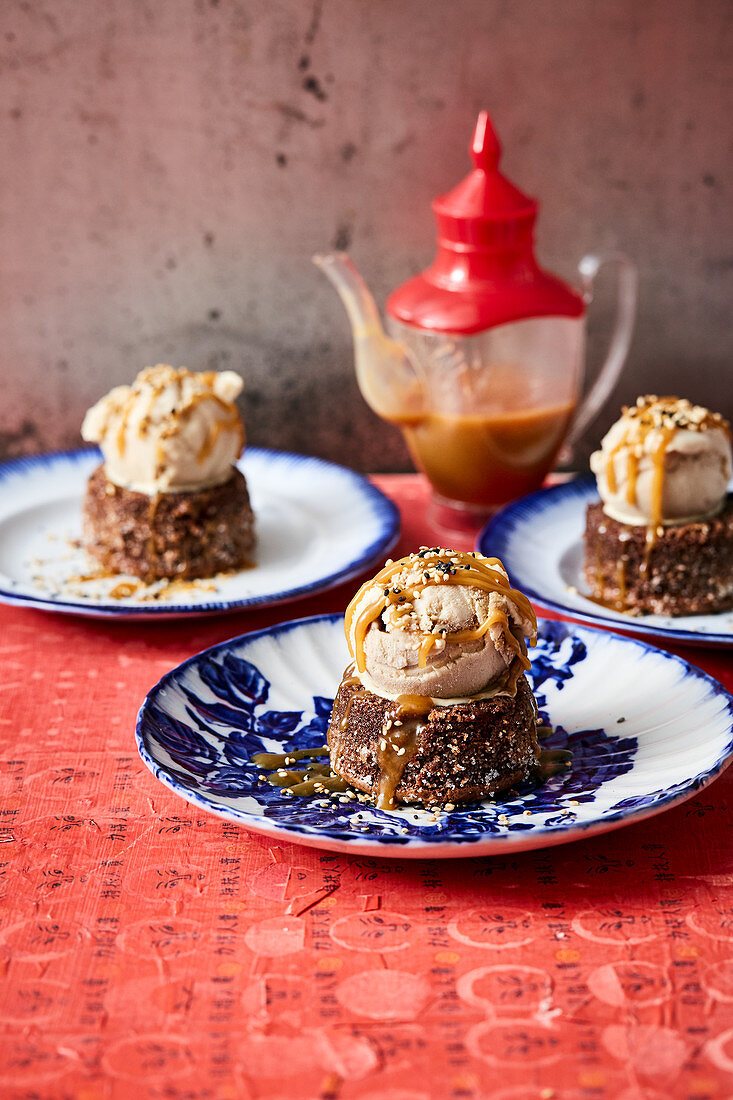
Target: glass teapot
<point>482,368</point>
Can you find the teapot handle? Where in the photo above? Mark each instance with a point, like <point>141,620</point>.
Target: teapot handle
<point>628,281</point>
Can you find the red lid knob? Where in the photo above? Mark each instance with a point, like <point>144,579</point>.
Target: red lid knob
<point>485,272</point>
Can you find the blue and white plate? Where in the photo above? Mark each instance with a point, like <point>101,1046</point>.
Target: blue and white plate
<point>646,731</point>
<point>539,539</point>
<point>318,524</point>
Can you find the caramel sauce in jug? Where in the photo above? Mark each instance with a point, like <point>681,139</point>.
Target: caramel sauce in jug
<point>487,458</point>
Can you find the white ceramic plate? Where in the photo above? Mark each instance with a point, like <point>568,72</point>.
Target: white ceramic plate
<point>539,540</point>
<point>317,523</point>
<point>646,730</point>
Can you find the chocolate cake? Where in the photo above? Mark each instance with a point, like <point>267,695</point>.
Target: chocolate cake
<point>456,753</point>
<point>184,535</point>
<point>660,540</point>
<point>435,707</point>
<point>685,569</point>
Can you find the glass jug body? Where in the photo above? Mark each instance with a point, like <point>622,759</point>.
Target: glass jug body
<point>497,406</point>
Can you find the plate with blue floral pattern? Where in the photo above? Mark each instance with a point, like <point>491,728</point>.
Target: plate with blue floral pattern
<point>539,538</point>
<point>317,524</point>
<point>646,730</point>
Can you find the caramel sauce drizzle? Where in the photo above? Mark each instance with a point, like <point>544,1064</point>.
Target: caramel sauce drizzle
<point>632,466</point>
<point>397,744</point>
<point>230,422</point>
<point>315,779</point>
<point>621,581</point>
<point>553,762</point>
<point>426,645</point>
<point>436,566</point>
<point>233,423</point>
<point>122,430</point>
<point>403,721</point>
<point>665,416</point>
<point>632,471</point>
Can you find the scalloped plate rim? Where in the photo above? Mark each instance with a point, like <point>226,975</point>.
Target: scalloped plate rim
<point>416,848</point>
<point>502,527</point>
<point>387,517</point>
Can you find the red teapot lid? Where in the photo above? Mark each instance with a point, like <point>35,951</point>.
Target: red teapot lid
<point>485,272</point>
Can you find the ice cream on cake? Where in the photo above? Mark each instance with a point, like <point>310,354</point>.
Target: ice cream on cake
<point>168,500</point>
<point>435,706</point>
<point>664,461</point>
<point>170,431</point>
<point>661,538</point>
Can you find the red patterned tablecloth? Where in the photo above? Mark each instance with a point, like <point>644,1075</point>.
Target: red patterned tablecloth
<point>149,950</point>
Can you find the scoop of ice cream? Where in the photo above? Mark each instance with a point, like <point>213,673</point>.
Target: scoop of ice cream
<point>170,431</point>
<point>664,461</point>
<point>439,624</point>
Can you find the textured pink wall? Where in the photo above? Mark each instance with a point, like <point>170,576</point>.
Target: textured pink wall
<point>169,168</point>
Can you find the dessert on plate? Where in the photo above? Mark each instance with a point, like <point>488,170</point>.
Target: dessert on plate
<point>660,539</point>
<point>436,707</point>
<point>168,501</point>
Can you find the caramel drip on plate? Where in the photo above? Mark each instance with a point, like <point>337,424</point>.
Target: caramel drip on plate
<point>280,759</point>
<point>553,762</point>
<point>435,567</point>
<point>123,590</point>
<point>313,780</point>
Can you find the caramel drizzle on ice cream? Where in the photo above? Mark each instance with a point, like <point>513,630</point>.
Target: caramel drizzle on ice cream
<point>159,378</point>
<point>400,581</point>
<point>663,416</point>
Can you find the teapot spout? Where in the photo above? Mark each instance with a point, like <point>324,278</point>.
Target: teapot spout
<point>387,376</point>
